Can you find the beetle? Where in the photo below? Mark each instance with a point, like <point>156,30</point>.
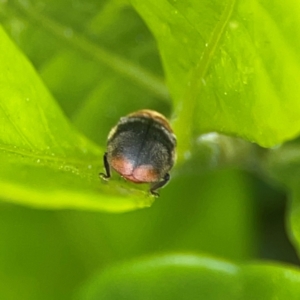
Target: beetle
<point>142,149</point>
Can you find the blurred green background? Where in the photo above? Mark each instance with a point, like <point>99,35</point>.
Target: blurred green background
<point>229,213</point>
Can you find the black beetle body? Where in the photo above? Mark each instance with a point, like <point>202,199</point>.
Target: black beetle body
<point>141,148</point>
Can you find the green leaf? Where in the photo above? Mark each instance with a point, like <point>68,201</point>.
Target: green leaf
<point>95,85</point>
<point>44,161</point>
<point>230,66</point>
<point>185,276</point>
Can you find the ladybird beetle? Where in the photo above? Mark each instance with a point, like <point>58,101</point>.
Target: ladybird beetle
<point>142,149</point>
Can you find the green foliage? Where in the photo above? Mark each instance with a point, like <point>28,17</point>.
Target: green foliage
<point>190,277</point>
<point>45,162</point>
<point>69,70</point>
<point>236,62</point>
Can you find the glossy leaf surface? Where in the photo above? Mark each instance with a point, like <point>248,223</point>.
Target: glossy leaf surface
<point>45,162</point>
<point>231,65</point>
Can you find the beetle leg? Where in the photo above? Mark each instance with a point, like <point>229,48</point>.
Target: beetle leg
<point>107,168</point>
<point>157,185</point>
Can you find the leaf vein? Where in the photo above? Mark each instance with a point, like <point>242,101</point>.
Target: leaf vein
<point>18,131</point>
